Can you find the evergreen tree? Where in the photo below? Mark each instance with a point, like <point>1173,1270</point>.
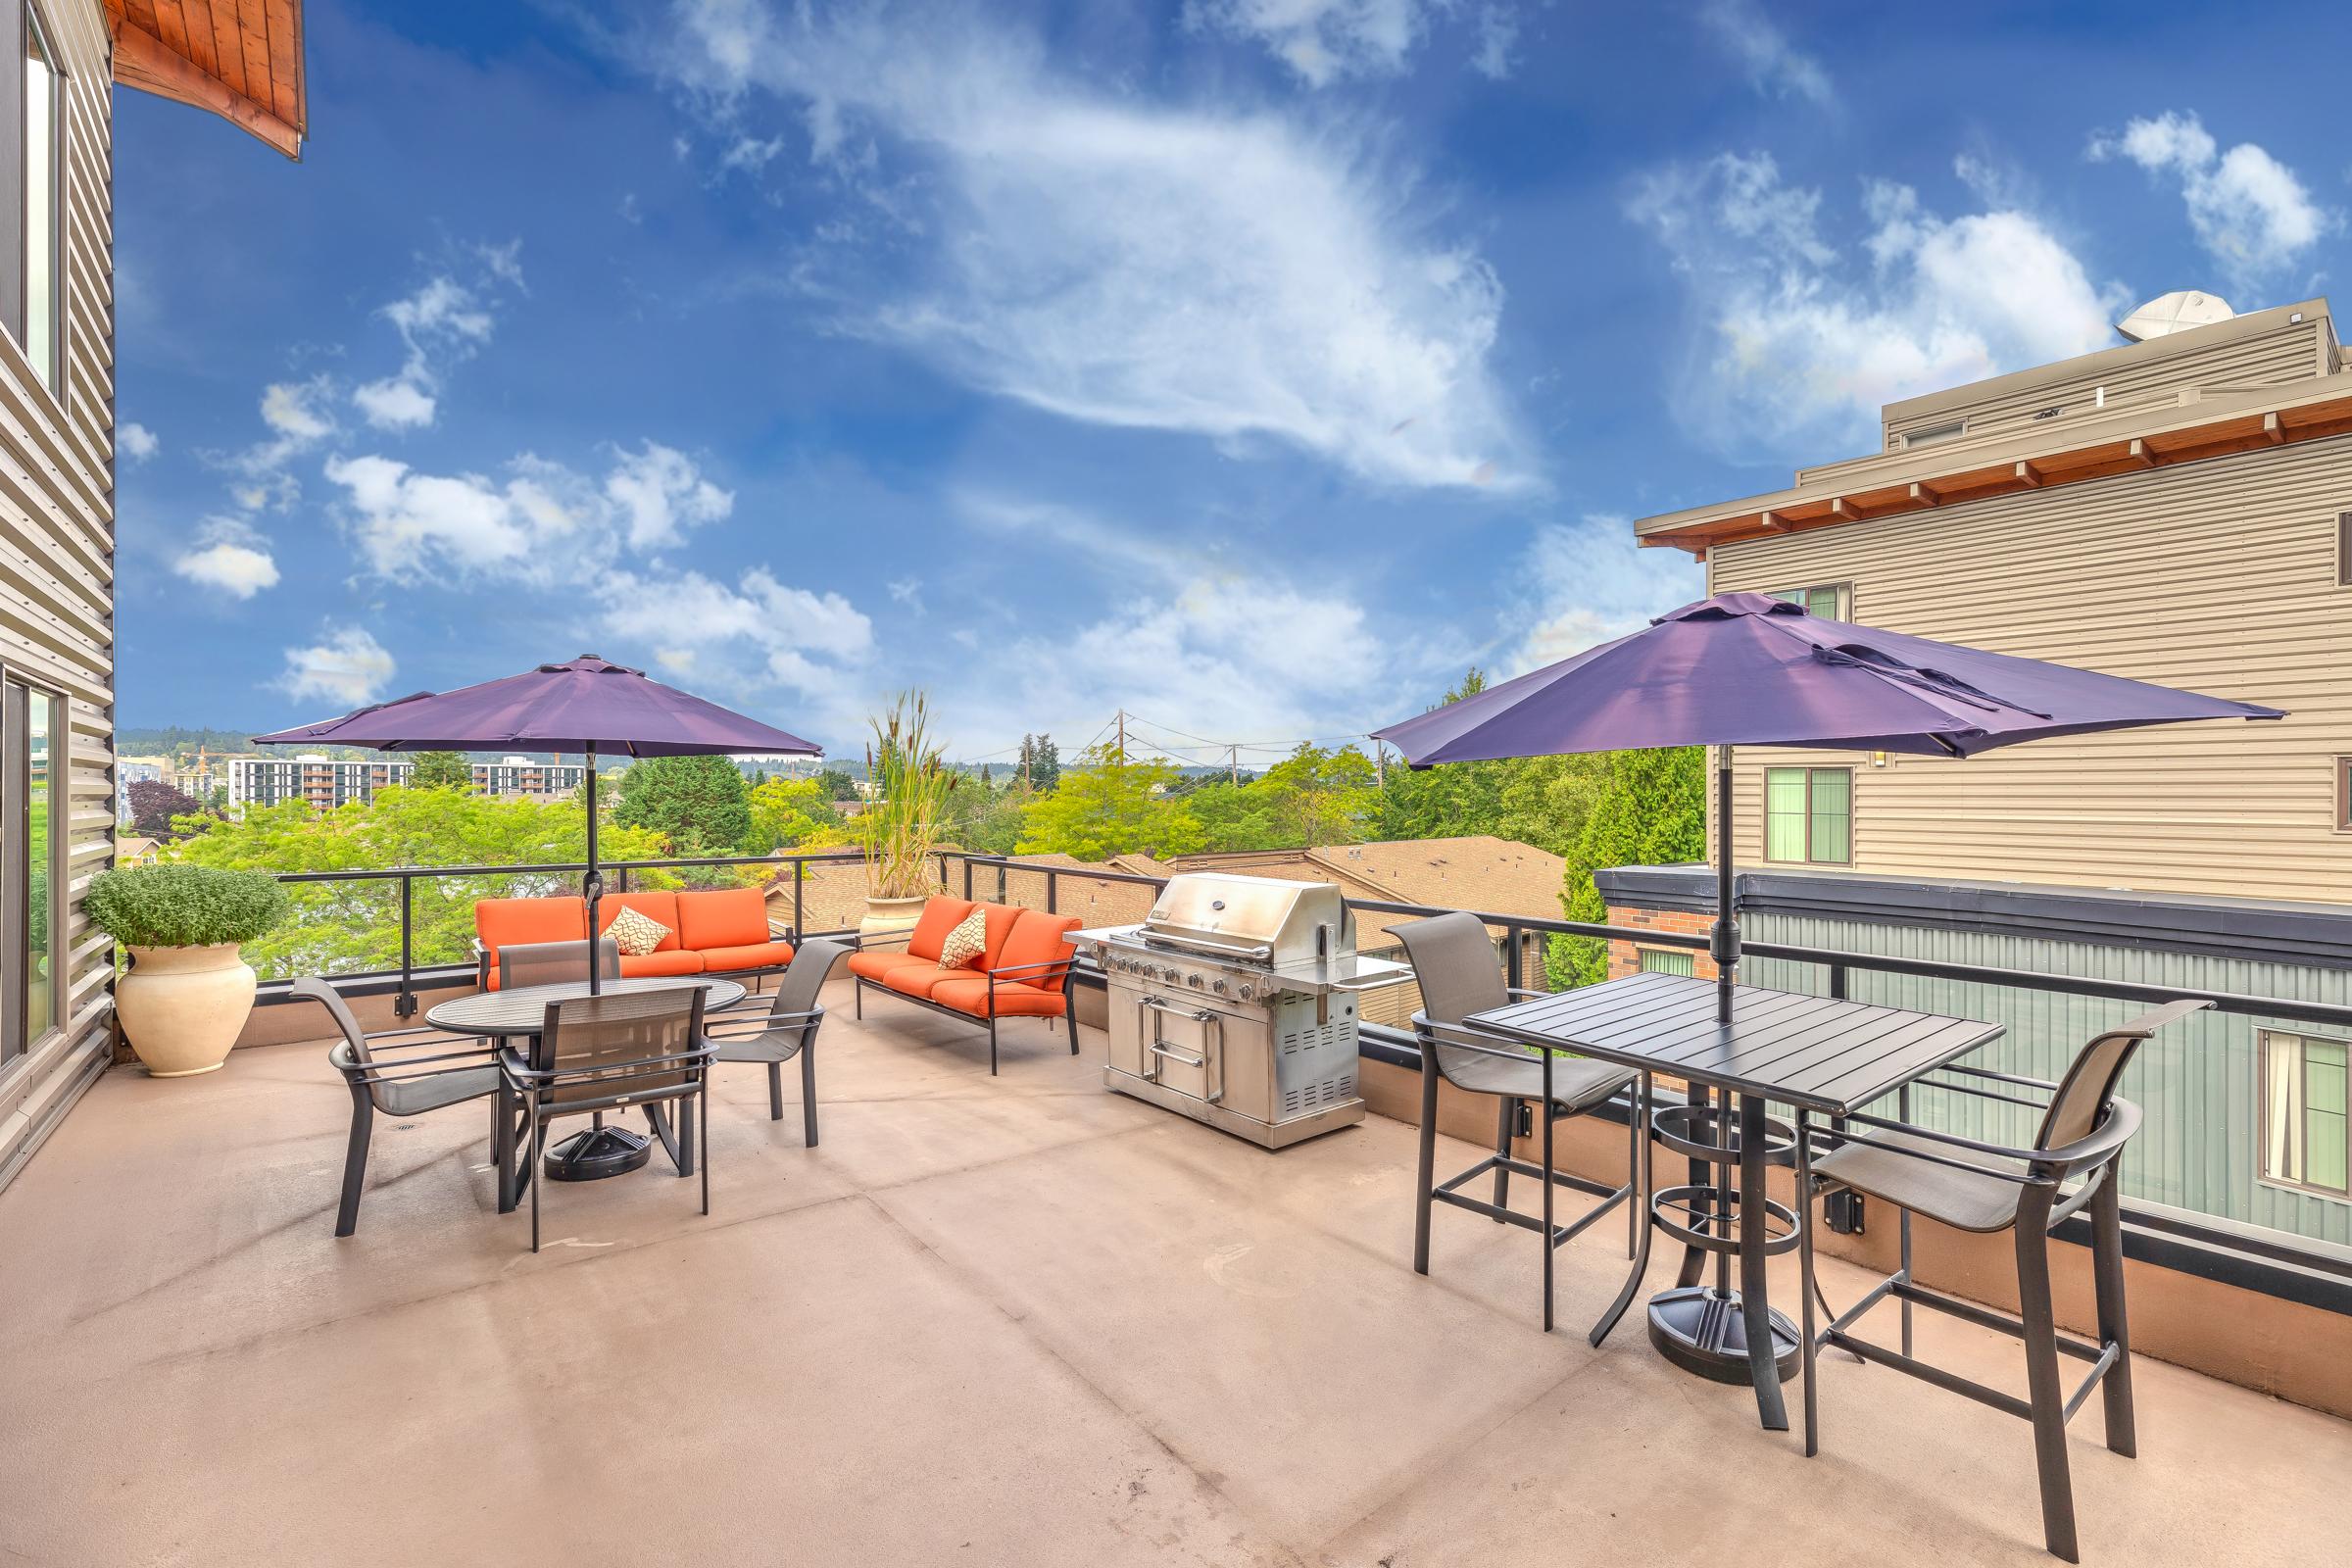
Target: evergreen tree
<point>441,770</point>
<point>1652,811</point>
<point>701,804</point>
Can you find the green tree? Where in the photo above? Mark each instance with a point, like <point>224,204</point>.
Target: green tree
<point>836,784</point>
<point>1651,811</point>
<point>338,927</point>
<point>1041,764</point>
<point>701,804</point>
<point>441,770</point>
<point>1315,796</point>
<point>1232,816</point>
<point>793,813</point>
<point>156,806</point>
<point>1104,807</point>
<point>1541,801</point>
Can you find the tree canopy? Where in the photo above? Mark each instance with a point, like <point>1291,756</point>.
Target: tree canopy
<point>441,770</point>
<point>793,813</point>
<point>699,805</point>
<point>155,804</point>
<point>1106,807</point>
<point>1651,811</point>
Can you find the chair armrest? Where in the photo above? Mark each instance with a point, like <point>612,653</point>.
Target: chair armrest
<point>1023,968</point>
<point>1426,1031</point>
<point>1525,994</point>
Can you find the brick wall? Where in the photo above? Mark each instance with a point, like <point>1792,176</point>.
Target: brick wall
<point>1623,954</point>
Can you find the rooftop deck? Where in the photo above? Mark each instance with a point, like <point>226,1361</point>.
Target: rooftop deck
<point>1017,1320</point>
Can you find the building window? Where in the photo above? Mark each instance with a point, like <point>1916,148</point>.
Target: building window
<point>2303,1112</point>
<point>1809,814</point>
<point>1829,601</point>
<point>2343,794</point>
<point>37,313</point>
<point>32,753</point>
<point>2344,549</point>
<point>1669,960</point>
<point>1930,434</point>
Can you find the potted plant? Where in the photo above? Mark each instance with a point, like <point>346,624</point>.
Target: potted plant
<point>899,829</point>
<point>188,993</point>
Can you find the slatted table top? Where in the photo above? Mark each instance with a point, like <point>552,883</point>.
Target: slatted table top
<point>523,1011</point>
<point>1817,1053</point>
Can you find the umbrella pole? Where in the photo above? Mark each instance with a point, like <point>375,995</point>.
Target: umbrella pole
<point>591,885</point>
<point>1723,942</point>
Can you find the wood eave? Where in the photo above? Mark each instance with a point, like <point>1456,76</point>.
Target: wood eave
<point>239,59</point>
<point>1793,511</point>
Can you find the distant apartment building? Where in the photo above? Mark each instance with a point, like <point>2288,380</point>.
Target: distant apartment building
<point>519,775</point>
<point>129,771</point>
<point>320,782</point>
<point>2176,510</point>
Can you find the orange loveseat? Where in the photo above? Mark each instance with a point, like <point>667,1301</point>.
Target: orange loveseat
<point>1024,972</point>
<point>724,931</point>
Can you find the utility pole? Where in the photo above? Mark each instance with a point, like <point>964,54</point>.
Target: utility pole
<point>1233,759</point>
<point>1122,737</point>
<point>1380,764</point>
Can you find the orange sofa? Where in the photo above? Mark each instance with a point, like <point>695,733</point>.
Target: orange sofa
<point>1024,972</point>
<point>724,931</point>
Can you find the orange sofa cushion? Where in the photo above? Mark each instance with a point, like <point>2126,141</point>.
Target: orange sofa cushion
<point>1037,938</point>
<point>877,962</point>
<point>1001,918</point>
<point>660,905</point>
<point>751,956</point>
<point>916,979</point>
<point>941,915</point>
<point>662,961</point>
<point>968,993</point>
<point>725,917</point>
<point>508,923</point>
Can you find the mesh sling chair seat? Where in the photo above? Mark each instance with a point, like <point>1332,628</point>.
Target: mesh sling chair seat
<point>1455,964</point>
<point>597,1053</point>
<point>1985,1187</point>
<point>554,963</point>
<point>395,1074</point>
<point>787,1030</point>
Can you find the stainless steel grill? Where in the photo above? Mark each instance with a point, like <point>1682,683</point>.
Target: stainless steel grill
<point>1234,1004</point>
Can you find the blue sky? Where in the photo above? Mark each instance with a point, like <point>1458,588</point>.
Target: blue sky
<point>1252,365</point>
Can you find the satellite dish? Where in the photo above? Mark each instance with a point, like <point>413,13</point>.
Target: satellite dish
<point>2175,312</point>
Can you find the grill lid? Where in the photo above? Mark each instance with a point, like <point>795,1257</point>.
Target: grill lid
<point>1259,919</point>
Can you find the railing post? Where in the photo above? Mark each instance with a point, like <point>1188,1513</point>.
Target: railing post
<point>404,1005</point>
<point>967,879</point>
<point>1512,968</point>
<point>800,919</point>
<point>620,879</point>
<point>1838,981</point>
<point>1052,888</point>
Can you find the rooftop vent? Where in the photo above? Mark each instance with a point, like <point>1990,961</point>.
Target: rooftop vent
<point>2177,312</point>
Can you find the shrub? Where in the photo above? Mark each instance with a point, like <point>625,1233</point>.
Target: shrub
<point>183,906</point>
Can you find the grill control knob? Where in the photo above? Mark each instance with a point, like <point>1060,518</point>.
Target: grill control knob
<point>1218,988</point>
<point>1194,981</point>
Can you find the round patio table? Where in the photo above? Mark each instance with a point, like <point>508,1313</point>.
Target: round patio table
<point>521,1012</point>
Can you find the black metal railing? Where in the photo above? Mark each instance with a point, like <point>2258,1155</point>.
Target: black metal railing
<point>971,873</point>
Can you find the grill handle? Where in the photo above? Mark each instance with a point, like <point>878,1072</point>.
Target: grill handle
<point>1154,1048</point>
<point>1260,953</point>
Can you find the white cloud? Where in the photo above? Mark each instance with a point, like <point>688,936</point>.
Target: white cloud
<point>660,494</point>
<point>410,527</point>
<point>229,556</point>
<point>348,666</point>
<point>1798,342</point>
<point>291,408</point>
<point>1775,67</point>
<point>1590,582</point>
<point>298,418</point>
<point>136,441</point>
<point>2250,212</point>
<point>1498,37</point>
<point>394,404</point>
<point>1231,274</point>
<point>908,591</point>
<point>1322,40</point>
<point>750,153</point>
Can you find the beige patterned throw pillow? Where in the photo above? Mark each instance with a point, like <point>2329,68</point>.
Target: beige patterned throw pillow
<point>636,934</point>
<point>966,942</point>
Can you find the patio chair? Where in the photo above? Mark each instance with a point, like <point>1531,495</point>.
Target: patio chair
<point>388,1076</point>
<point>597,1053</point>
<point>788,1030</point>
<point>1987,1189</point>
<point>1454,961</point>
<point>554,963</point>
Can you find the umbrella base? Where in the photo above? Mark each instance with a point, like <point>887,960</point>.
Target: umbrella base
<point>597,1154</point>
<point>1702,1330</point>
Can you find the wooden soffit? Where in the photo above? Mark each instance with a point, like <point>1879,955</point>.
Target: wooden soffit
<point>238,59</point>
<point>2260,418</point>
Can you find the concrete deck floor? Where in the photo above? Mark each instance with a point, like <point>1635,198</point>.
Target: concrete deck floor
<point>1018,1321</point>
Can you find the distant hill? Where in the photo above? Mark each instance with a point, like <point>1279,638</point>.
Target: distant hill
<point>172,738</point>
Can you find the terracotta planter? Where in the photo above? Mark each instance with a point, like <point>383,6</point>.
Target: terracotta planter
<point>884,916</point>
<point>181,1008</point>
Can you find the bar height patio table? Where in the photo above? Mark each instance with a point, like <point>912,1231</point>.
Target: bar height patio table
<point>1820,1055</point>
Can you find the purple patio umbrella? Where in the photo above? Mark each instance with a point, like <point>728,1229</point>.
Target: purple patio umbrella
<point>1748,670</point>
<point>588,704</point>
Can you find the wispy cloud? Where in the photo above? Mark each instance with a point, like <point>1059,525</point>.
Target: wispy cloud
<point>1589,581</point>
<point>1775,67</point>
<point>2249,210</point>
<point>136,442</point>
<point>347,668</point>
<point>443,321</point>
<point>1233,275</point>
<point>1799,340</point>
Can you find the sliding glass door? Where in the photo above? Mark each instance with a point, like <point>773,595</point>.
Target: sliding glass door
<point>32,804</point>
